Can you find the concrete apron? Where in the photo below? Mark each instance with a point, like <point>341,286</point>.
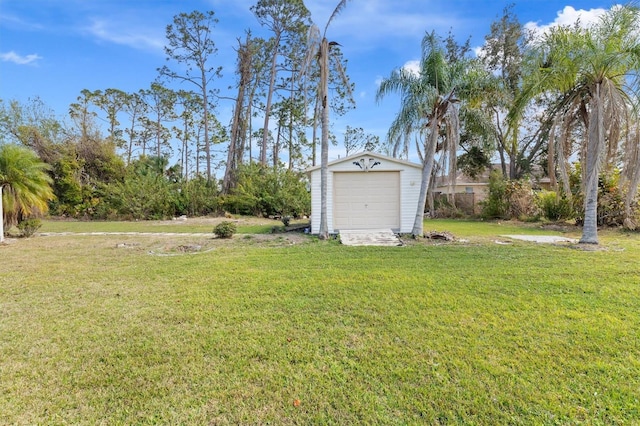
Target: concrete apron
<point>369,237</point>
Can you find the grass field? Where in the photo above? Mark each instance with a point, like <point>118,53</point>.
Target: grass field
<point>134,329</point>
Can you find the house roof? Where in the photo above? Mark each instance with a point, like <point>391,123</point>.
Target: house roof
<point>367,154</point>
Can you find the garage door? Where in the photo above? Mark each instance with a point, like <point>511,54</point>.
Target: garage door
<point>369,200</point>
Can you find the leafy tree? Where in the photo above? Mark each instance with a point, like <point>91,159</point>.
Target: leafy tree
<point>33,125</point>
<point>25,183</point>
<point>503,54</point>
<point>160,103</point>
<point>245,63</point>
<point>82,115</point>
<point>190,107</point>
<point>429,102</point>
<point>473,162</point>
<point>355,140</point>
<point>136,109</point>
<point>284,18</point>
<point>190,44</point>
<point>112,102</point>
<point>591,68</point>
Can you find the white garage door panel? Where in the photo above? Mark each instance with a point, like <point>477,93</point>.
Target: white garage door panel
<point>366,200</point>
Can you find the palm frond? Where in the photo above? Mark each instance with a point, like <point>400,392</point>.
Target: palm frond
<point>313,46</point>
<point>339,8</point>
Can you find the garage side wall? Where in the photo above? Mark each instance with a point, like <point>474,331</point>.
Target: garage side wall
<point>410,179</point>
<point>410,176</point>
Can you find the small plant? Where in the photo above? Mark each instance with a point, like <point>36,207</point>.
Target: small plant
<point>286,220</point>
<point>225,229</point>
<point>29,227</point>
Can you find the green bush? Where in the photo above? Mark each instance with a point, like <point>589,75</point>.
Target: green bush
<point>265,191</point>
<point>28,227</point>
<point>225,229</point>
<point>553,206</point>
<point>508,199</point>
<point>199,197</point>
<point>496,205</point>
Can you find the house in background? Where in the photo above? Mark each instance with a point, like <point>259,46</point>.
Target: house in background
<point>367,191</point>
<point>470,192</point>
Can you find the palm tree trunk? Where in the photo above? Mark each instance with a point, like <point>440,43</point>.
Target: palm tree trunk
<point>427,166</point>
<point>595,141</point>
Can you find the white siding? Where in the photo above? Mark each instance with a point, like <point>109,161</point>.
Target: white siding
<point>410,175</point>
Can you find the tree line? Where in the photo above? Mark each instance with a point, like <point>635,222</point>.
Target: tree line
<point>560,101</point>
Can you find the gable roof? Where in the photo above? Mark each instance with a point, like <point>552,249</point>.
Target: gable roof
<point>367,154</point>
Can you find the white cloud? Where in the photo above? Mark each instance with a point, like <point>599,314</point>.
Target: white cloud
<point>412,66</point>
<point>103,30</point>
<point>568,16</point>
<point>18,59</point>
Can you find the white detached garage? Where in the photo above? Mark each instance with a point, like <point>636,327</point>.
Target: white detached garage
<point>367,191</point>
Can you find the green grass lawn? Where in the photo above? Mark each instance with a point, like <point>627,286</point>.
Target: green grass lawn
<point>129,330</point>
<point>245,225</point>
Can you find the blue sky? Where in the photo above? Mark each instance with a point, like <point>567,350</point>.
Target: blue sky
<point>53,49</point>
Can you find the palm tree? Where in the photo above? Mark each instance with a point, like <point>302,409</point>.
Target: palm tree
<point>319,47</point>
<point>589,70</point>
<point>25,184</point>
<point>429,102</point>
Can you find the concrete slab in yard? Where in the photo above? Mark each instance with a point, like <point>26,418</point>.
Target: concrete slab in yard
<point>542,238</point>
<point>369,237</point>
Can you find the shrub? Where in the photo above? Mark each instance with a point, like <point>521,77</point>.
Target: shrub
<point>225,229</point>
<point>444,209</point>
<point>520,200</point>
<point>199,197</point>
<point>28,227</point>
<point>265,191</point>
<point>496,205</point>
<point>508,199</point>
<point>553,206</point>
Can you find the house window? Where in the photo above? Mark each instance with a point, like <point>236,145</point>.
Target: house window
<point>468,189</point>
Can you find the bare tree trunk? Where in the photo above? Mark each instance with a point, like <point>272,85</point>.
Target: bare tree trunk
<point>563,161</point>
<point>267,111</point>
<point>314,134</point>
<point>453,140</point>
<point>551,158</point>
<point>184,158</point>
<point>276,147</point>
<point>324,154</point>
<point>293,74</point>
